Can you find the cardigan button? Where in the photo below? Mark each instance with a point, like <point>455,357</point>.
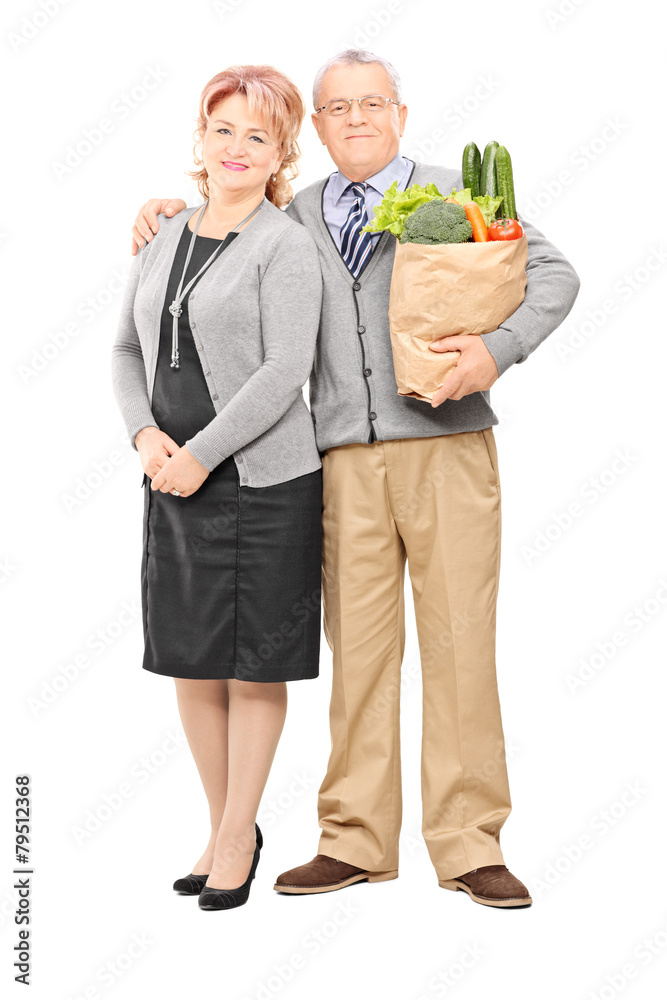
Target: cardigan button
<point>244,479</point>
<point>361,329</point>
<point>356,286</point>
<point>367,371</point>
<point>215,396</point>
<point>372,415</point>
<point>207,372</point>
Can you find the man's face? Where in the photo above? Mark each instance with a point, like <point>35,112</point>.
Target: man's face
<point>361,142</point>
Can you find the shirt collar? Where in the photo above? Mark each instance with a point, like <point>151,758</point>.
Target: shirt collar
<point>380,181</point>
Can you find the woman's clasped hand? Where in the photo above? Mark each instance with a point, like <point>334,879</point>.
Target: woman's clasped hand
<point>168,466</point>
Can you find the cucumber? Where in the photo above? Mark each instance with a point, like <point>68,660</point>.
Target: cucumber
<point>472,164</point>
<point>488,172</point>
<point>505,183</point>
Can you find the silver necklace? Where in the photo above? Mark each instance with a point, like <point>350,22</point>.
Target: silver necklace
<point>176,308</point>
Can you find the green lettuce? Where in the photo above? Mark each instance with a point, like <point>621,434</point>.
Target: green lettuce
<point>462,196</point>
<point>391,213</point>
<point>486,202</point>
<point>489,206</point>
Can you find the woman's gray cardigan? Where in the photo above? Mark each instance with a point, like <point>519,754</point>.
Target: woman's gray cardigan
<point>254,316</point>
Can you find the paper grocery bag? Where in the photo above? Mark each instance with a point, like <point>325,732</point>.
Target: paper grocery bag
<point>447,289</point>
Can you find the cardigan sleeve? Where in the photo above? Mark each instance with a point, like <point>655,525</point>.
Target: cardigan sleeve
<point>128,371</point>
<point>290,300</point>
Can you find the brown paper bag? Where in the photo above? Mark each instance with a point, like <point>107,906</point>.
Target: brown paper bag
<point>447,289</point>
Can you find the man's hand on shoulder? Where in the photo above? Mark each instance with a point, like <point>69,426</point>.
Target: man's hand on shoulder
<point>146,225</point>
<point>474,371</point>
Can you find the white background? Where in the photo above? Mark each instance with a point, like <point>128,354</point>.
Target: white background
<point>547,85</point>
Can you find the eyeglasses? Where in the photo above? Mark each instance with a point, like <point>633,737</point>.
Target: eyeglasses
<point>373,102</point>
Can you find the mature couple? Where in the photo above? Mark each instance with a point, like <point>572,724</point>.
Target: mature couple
<point>251,501</point>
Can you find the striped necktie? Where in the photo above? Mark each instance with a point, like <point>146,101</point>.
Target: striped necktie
<point>356,246</point>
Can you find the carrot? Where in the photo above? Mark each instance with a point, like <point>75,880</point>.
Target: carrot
<point>476,220</point>
<point>452,201</point>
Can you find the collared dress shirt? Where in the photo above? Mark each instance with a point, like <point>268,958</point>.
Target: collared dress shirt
<point>338,201</point>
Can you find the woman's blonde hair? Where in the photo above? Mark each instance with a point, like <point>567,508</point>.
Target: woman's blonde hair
<point>273,96</point>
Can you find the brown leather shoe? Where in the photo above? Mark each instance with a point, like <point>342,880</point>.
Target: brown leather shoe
<point>492,885</point>
<point>324,874</point>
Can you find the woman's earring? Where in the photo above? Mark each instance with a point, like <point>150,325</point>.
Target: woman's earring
<point>273,177</point>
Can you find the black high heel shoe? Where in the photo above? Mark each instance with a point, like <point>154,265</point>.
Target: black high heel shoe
<point>191,885</point>
<point>227,899</point>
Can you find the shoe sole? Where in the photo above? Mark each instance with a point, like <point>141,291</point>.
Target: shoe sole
<point>212,906</point>
<point>455,886</point>
<point>297,890</point>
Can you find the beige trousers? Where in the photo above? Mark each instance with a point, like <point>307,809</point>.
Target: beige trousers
<point>436,502</point>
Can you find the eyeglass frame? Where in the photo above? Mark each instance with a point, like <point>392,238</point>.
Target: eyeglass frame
<point>389,100</point>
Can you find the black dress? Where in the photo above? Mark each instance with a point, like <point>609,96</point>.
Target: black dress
<point>231,575</point>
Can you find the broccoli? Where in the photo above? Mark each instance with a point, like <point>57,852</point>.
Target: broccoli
<point>436,221</point>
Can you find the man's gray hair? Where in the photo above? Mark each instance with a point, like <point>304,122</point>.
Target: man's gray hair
<point>348,58</point>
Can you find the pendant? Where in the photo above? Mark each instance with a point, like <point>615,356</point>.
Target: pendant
<point>174,361</point>
<point>175,309</point>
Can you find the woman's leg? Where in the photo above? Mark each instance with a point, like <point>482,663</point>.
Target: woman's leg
<point>204,706</point>
<point>256,717</point>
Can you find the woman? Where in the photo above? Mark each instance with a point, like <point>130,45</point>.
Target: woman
<point>215,342</point>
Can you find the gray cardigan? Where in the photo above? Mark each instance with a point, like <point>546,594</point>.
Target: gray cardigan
<point>254,316</point>
<point>353,393</point>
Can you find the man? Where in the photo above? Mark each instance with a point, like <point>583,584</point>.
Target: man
<point>405,480</point>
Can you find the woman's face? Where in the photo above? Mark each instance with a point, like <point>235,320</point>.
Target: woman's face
<point>238,152</point>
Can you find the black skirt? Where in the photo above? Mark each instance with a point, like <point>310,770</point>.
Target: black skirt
<point>231,575</point>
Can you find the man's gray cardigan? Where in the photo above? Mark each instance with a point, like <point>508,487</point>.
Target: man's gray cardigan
<point>353,392</point>
<point>254,316</point>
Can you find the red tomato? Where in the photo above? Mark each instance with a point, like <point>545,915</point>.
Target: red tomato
<point>505,229</point>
